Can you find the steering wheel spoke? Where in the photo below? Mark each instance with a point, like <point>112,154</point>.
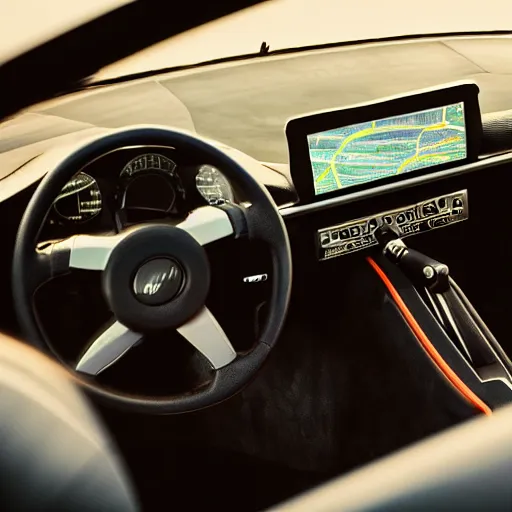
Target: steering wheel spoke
<point>92,252</point>
<point>208,224</point>
<point>87,252</point>
<point>107,348</point>
<point>206,335</point>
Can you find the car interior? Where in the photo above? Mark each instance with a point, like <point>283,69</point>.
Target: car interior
<point>281,276</point>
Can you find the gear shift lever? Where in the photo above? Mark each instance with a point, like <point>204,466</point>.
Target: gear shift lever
<point>450,306</point>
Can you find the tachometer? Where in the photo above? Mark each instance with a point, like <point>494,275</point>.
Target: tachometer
<point>80,199</point>
<point>146,162</point>
<point>213,185</point>
<point>149,183</point>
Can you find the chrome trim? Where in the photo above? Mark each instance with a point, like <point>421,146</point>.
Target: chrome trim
<point>258,278</point>
<point>492,161</point>
<point>206,335</point>
<point>91,252</point>
<point>107,348</point>
<point>453,325</point>
<point>358,234</point>
<point>207,224</point>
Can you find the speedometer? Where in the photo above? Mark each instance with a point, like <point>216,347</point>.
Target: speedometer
<point>213,185</point>
<point>149,182</point>
<point>80,199</point>
<point>148,162</point>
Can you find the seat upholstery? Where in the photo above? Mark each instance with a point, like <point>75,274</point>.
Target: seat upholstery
<point>54,454</point>
<point>468,467</point>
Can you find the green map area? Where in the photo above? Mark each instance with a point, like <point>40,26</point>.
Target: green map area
<point>370,151</point>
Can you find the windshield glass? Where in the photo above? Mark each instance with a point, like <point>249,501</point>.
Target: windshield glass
<point>297,23</point>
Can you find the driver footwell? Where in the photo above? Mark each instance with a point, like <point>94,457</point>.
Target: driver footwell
<point>194,476</point>
<point>347,383</point>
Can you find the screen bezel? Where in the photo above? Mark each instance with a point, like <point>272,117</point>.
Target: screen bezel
<point>298,129</point>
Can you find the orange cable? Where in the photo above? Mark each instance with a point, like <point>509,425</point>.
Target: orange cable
<point>427,344</point>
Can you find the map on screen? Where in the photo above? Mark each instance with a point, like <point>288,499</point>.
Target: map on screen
<point>366,152</point>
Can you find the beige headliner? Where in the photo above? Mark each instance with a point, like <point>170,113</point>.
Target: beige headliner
<point>281,23</point>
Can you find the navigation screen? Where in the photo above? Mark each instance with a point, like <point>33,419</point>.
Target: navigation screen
<point>366,152</point>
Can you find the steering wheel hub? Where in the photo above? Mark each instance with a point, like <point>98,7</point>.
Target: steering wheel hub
<point>158,281</point>
<point>156,278</point>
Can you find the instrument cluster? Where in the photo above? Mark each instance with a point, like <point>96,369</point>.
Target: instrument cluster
<point>138,186</point>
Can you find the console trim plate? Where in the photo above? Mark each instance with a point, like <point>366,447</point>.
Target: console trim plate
<point>358,234</point>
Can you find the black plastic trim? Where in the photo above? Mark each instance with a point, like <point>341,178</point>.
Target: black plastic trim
<point>494,393</point>
<point>237,217</point>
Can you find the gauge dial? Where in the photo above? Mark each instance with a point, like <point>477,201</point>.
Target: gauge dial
<point>149,191</point>
<point>80,199</point>
<point>146,162</point>
<point>149,182</point>
<point>213,185</point>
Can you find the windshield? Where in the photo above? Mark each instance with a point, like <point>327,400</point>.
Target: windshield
<point>297,23</point>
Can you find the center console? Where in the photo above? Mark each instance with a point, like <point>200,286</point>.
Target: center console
<point>373,175</point>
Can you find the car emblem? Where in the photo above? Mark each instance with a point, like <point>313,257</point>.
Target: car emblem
<point>158,281</point>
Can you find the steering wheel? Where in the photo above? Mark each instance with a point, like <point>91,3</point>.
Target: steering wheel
<point>155,277</point>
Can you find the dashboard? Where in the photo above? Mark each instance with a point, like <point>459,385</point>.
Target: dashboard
<point>147,183</point>
<point>133,185</point>
<point>332,154</point>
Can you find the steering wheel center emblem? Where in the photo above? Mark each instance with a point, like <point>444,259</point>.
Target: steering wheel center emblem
<point>158,281</point>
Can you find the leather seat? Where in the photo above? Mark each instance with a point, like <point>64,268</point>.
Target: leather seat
<point>54,454</point>
<point>468,467</point>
